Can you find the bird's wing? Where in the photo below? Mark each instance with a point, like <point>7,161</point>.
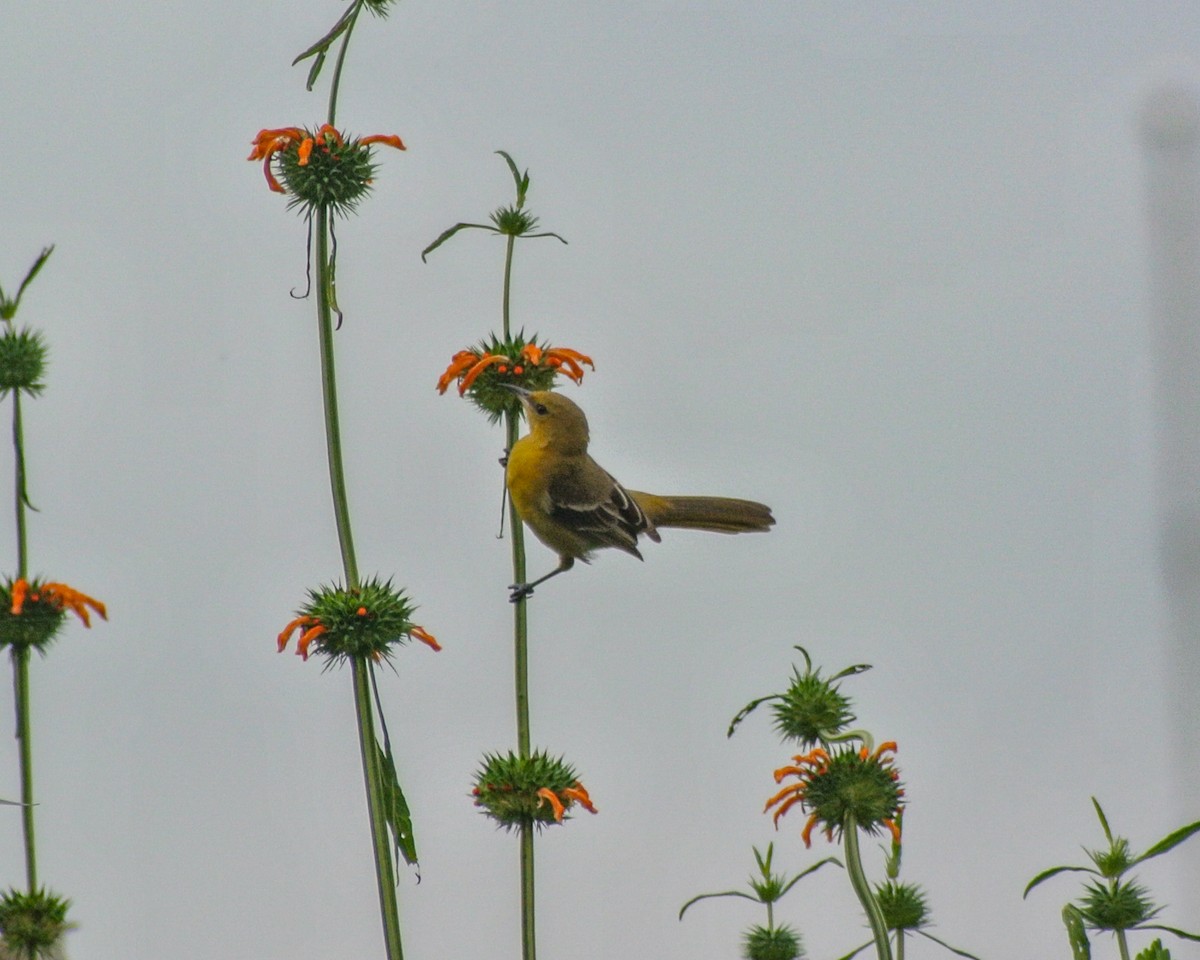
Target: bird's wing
<point>589,501</point>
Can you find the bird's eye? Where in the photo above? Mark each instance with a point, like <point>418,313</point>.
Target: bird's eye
<point>540,409</point>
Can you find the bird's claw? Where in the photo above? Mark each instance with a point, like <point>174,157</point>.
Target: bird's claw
<point>519,592</point>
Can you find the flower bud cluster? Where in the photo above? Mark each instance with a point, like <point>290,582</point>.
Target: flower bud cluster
<point>522,791</point>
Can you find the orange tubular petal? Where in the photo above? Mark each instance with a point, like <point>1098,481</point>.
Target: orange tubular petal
<point>579,794</point>
<point>390,140</point>
<point>555,804</point>
<point>567,353</point>
<point>785,807</point>
<point>465,383</point>
<point>286,634</point>
<point>426,638</point>
<point>329,130</point>
<point>788,772</point>
<point>887,747</point>
<point>20,591</point>
<point>307,637</point>
<point>533,353</point>
<point>574,370</point>
<point>305,151</point>
<point>806,833</point>
<point>789,789</point>
<point>274,184</point>
<point>460,362</point>
<point>891,825</point>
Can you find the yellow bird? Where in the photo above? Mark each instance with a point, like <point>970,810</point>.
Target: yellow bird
<point>574,506</point>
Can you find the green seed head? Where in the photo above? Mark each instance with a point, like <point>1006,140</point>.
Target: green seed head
<point>22,361</point>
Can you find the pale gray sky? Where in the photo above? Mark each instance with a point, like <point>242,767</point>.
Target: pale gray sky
<point>884,267</point>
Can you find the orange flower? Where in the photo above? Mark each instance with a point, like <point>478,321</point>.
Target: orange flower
<point>467,365</point>
<point>59,595</point>
<point>270,142</point>
<point>427,638</point>
<point>313,629</point>
<point>570,795</point>
<point>849,786</point>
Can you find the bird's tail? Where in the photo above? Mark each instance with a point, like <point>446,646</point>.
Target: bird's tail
<point>717,514</point>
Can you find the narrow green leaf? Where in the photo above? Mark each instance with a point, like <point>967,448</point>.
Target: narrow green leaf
<point>447,234</point>
<point>314,71</point>
<point>857,951</point>
<point>1103,819</point>
<point>534,236</point>
<point>522,181</point>
<point>1173,840</point>
<point>1076,932</point>
<point>943,943</point>
<point>335,31</point>
<point>747,710</point>
<point>1182,934</point>
<point>1047,874</point>
<point>850,671</point>
<point>395,807</point>
<point>707,896</point>
<point>804,873</point>
<point>8,308</point>
<point>764,863</point>
<point>34,270</point>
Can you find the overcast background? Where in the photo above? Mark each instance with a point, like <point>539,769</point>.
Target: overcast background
<point>883,266</point>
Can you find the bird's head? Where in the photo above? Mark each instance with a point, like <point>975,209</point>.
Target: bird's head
<point>553,419</point>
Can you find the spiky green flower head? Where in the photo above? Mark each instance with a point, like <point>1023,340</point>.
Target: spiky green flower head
<point>520,791</point>
<point>904,905</point>
<point>320,169</point>
<point>513,221</point>
<point>35,623</point>
<point>381,8</point>
<point>486,372</point>
<point>371,620</point>
<point>847,787</point>
<point>812,709</point>
<point>1115,860</point>
<point>33,924</point>
<point>22,361</point>
<point>1118,905</point>
<point>767,943</point>
<point>32,611</point>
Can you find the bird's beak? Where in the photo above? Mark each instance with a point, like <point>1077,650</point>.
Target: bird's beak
<point>519,391</point>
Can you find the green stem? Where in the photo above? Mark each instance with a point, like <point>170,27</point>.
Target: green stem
<point>333,433</point>
<point>22,500</point>
<point>20,656</point>
<point>368,744</point>
<point>336,82</point>
<point>508,259</point>
<point>520,654</point>
<point>862,887</point>
<point>1122,944</point>
<point>899,945</point>
<point>520,611</point>
<point>380,839</point>
<point>528,928</point>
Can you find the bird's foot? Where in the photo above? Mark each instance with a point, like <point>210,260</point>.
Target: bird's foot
<point>504,458</point>
<point>519,591</point>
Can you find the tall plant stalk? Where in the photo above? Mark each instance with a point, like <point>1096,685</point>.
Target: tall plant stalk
<point>361,666</point>
<point>20,655</point>
<point>520,651</point>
